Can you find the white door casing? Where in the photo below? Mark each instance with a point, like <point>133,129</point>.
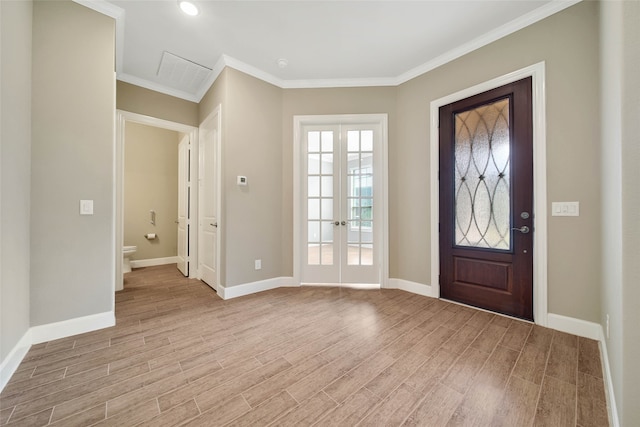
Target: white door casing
<point>184,189</point>
<point>209,191</point>
<point>340,225</point>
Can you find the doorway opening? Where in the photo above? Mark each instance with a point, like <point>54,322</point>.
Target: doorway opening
<point>186,160</point>
<point>486,200</point>
<point>537,74</point>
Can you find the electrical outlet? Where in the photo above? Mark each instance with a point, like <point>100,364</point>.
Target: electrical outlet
<point>607,326</point>
<point>258,264</point>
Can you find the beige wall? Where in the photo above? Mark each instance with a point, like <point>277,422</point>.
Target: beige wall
<point>15,170</point>
<point>568,43</point>
<point>631,213</point>
<point>252,147</point>
<point>136,99</point>
<point>151,183</point>
<point>72,256</point>
<point>365,100</point>
<point>620,109</point>
<point>250,224</point>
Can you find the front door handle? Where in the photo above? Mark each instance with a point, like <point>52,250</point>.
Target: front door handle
<point>524,229</point>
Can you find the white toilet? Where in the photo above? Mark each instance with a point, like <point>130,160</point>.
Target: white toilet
<point>127,251</point>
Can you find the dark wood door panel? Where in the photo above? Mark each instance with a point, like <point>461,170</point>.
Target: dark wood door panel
<point>483,274</point>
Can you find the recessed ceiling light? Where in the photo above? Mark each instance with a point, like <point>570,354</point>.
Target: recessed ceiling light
<point>189,8</point>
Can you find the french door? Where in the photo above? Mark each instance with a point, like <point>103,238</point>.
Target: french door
<point>341,209</point>
<point>486,200</point>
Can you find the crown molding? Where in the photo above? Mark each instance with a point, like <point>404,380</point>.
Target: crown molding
<point>511,27</point>
<point>118,14</point>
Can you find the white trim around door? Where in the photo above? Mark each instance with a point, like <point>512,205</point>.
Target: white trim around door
<point>537,72</point>
<point>122,117</point>
<point>299,123</point>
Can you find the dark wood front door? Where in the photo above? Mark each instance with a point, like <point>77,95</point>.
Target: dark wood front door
<point>486,200</point>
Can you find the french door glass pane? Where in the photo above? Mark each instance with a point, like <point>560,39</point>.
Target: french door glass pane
<point>313,209</point>
<point>359,193</point>
<point>320,228</point>
<point>482,177</point>
<point>314,164</point>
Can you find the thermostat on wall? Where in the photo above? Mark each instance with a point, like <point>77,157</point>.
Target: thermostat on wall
<point>242,180</point>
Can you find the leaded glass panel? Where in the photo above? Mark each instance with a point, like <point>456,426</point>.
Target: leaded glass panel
<point>482,177</point>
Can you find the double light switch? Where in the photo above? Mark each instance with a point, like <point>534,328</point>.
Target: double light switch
<point>565,209</point>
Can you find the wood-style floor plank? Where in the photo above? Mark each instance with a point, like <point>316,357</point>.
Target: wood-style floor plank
<point>322,356</point>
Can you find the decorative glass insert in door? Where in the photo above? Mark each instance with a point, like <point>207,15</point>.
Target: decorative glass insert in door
<point>482,177</point>
<point>320,162</point>
<point>360,197</point>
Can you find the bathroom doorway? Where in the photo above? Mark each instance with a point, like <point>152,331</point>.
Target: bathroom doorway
<point>181,233</point>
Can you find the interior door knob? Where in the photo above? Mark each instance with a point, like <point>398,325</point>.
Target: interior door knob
<point>215,224</point>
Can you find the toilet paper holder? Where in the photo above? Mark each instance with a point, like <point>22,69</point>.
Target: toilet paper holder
<point>151,236</point>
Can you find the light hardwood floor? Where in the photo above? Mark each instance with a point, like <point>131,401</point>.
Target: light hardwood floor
<point>304,356</point>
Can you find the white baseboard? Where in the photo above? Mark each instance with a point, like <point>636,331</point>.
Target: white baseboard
<point>50,332</point>
<point>253,287</point>
<point>574,326</point>
<point>413,287</point>
<point>151,262</point>
<point>608,382</point>
<point>67,328</point>
<point>14,358</point>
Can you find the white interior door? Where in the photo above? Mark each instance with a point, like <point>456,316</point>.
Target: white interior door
<point>208,184</point>
<point>341,203</point>
<point>183,205</point>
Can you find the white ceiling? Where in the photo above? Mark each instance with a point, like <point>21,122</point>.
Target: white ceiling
<point>326,43</point>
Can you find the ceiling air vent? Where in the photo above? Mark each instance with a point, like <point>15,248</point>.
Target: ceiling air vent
<point>181,73</point>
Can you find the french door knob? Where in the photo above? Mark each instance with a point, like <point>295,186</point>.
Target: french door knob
<point>336,223</point>
<point>344,223</point>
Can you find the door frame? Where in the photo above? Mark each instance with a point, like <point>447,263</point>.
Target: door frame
<point>537,73</point>
<point>299,121</point>
<point>122,118</point>
<point>216,118</point>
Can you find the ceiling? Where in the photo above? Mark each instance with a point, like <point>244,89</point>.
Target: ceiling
<point>324,43</point>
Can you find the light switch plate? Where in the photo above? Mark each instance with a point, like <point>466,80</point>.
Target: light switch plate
<point>565,209</point>
<point>86,207</point>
